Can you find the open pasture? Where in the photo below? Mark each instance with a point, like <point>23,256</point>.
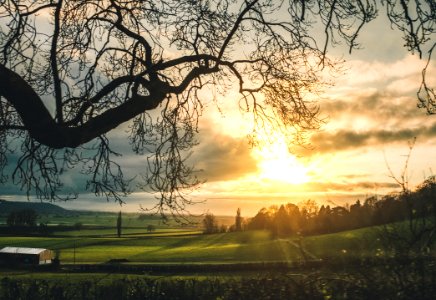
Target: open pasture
<point>185,246</point>
<point>169,252</point>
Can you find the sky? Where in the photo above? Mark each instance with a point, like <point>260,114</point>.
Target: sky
<point>371,119</point>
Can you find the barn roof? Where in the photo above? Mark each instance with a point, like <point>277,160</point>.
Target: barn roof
<point>21,250</point>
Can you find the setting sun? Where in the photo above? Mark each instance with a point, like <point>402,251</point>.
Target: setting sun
<point>276,163</point>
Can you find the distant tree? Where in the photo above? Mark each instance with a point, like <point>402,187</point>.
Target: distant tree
<point>24,217</point>
<point>425,198</point>
<point>262,220</point>
<point>11,219</point>
<point>356,215</point>
<point>119,224</point>
<point>324,220</point>
<point>309,210</point>
<point>282,222</point>
<point>44,229</point>
<point>340,216</point>
<point>78,225</point>
<point>151,228</point>
<point>210,224</point>
<point>238,220</point>
<point>294,216</point>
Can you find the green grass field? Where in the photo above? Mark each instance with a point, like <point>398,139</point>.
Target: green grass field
<point>190,246</point>
<point>182,263</point>
<point>97,242</point>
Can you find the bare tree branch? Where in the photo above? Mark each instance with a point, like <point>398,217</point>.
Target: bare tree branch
<point>72,71</point>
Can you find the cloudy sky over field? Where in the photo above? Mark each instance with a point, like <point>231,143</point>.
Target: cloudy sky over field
<point>371,117</point>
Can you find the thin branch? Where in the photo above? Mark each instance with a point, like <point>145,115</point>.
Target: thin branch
<point>54,63</point>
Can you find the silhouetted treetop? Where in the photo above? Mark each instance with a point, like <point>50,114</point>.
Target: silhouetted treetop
<point>72,71</point>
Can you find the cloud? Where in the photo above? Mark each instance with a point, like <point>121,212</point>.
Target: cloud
<point>341,140</point>
<point>349,186</point>
<point>221,157</point>
<point>377,95</point>
<point>370,117</point>
<point>364,74</point>
<point>374,104</point>
<point>217,157</point>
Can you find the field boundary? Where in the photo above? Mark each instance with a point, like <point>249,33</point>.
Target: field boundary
<point>146,268</point>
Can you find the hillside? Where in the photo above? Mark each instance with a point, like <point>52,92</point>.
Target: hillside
<point>40,207</point>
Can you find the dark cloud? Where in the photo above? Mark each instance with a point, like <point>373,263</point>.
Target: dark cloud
<point>391,118</point>
<point>349,186</point>
<point>325,142</point>
<point>378,106</point>
<point>355,176</point>
<point>222,157</point>
<point>217,157</point>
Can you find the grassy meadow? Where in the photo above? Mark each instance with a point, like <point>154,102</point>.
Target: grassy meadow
<point>191,246</point>
<point>179,262</point>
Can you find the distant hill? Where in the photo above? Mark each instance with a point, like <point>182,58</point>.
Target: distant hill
<point>40,207</point>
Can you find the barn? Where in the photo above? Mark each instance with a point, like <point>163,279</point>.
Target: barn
<point>25,256</point>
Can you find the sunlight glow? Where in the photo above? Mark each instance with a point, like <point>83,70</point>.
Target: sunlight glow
<point>276,163</point>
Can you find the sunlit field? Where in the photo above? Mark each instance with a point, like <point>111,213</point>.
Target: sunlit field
<point>183,246</point>
<point>187,264</point>
<point>175,261</point>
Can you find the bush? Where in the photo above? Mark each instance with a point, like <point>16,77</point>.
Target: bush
<point>369,281</point>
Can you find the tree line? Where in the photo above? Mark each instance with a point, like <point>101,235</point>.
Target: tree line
<point>23,217</point>
<point>309,218</point>
<point>211,225</point>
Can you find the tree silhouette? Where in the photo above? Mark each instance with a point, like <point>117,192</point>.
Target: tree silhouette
<point>238,220</point>
<point>210,224</point>
<point>72,71</point>
<point>119,224</point>
<point>24,217</point>
<point>151,228</point>
<point>409,218</point>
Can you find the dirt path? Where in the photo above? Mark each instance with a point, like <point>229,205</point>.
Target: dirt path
<point>306,254</point>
